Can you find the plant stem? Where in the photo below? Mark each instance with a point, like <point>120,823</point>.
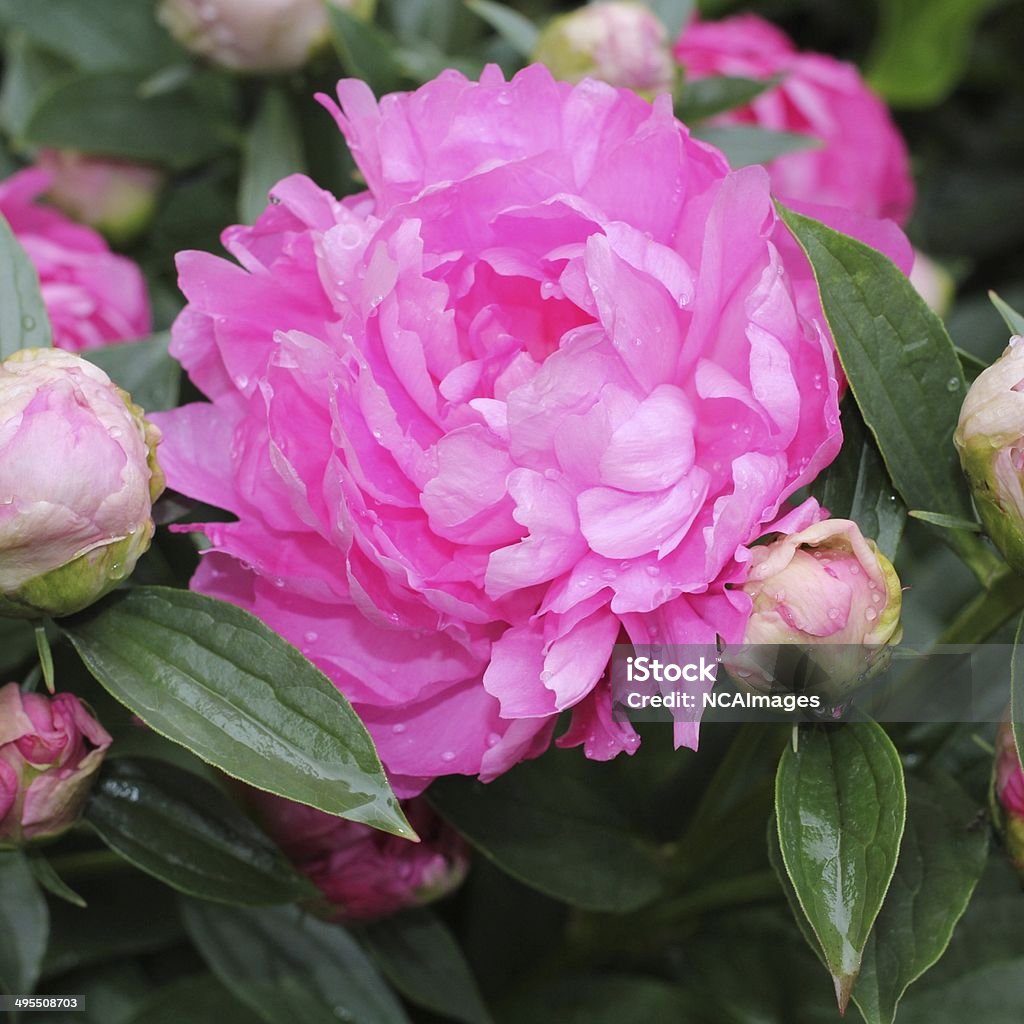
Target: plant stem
<point>45,654</point>
<point>88,863</point>
<point>988,611</point>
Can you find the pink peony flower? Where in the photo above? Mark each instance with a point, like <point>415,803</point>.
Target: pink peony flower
<point>92,295</point>
<point>539,386</point>
<point>50,750</point>
<point>362,872</point>
<point>862,164</point>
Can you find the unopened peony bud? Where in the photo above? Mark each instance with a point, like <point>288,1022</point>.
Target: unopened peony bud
<point>618,42</point>
<point>990,440</point>
<point>50,751</point>
<point>1008,796</point>
<point>829,589</point>
<point>78,476</point>
<point>255,35</point>
<point>364,873</point>
<point>115,196</point>
<point>933,283</point>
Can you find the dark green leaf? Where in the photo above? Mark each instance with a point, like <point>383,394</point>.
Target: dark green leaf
<point>286,966</point>
<point>674,14</point>
<point>17,642</point>
<point>273,150</point>
<point>24,924</point>
<point>195,1000</point>
<point>48,878</point>
<point>705,97</point>
<point>517,30</point>
<point>744,144</point>
<point>181,829</point>
<point>23,319</point>
<point>857,486</point>
<point>900,363</point>
<point>922,48</point>
<point>841,805</point>
<point>365,51</point>
<point>970,364</point>
<point>421,958</point>
<point>1013,320</point>
<point>946,522</point>
<point>1017,689</point>
<point>554,833</point>
<point>216,680</point>
<point>102,35</point>
<point>106,113</point>
<point>143,368</point>
<point>941,859</point>
<point>29,72</point>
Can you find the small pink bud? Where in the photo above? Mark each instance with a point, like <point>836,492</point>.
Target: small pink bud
<point>78,476</point>
<point>50,750</point>
<point>1008,795</point>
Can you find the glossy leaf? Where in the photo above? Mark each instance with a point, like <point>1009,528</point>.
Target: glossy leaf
<point>840,806</point>
<point>900,363</point>
<point>23,319</point>
<point>273,150</point>
<point>857,486</point>
<point>216,680</point>
<point>421,958</point>
<point>517,30</point>
<point>183,830</point>
<point>24,924</point>
<point>704,97</point>
<point>143,368</point>
<point>945,522</point>
<point>745,144</point>
<point>48,878</point>
<point>197,1000</point>
<point>1013,320</point>
<point>553,833</point>
<point>287,966</point>
<point>942,857</point>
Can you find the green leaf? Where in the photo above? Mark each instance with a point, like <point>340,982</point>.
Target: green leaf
<point>29,72</point>
<point>946,522</point>
<point>23,319</point>
<point>106,113</point>
<point>273,150</point>
<point>841,806</point>
<point>554,833</point>
<point>365,51</point>
<point>421,958</point>
<point>942,858</point>
<point>516,29</point>
<point>215,679</point>
<point>198,1000</point>
<point>900,363</point>
<point>102,35</point>
<point>970,364</point>
<point>24,924</point>
<point>181,829</point>
<point>922,48</point>
<point>1017,689</point>
<point>1013,320</point>
<point>143,368</point>
<point>48,878</point>
<point>744,144</point>
<point>857,486</point>
<point>674,14</point>
<point>286,966</point>
<point>17,642</point>
<point>705,97</point>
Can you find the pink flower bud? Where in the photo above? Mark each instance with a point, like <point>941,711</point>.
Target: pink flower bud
<point>362,872</point>
<point>933,283</point>
<point>78,475</point>
<point>990,440</point>
<point>618,42</point>
<point>254,35</point>
<point>1008,795</point>
<point>115,196</point>
<point>826,585</point>
<point>50,749</point>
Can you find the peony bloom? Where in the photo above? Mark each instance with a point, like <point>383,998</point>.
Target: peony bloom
<point>115,196</point>
<point>78,476</point>
<point>362,872</point>
<point>50,750</point>
<point>825,585</point>
<point>620,42</point>
<point>254,35</point>
<point>92,295</point>
<point>990,440</point>
<point>1008,795</point>
<point>862,164</point>
<point>541,384</point>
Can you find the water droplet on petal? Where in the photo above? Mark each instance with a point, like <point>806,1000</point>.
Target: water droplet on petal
<point>833,613</point>
<point>653,570</point>
<point>311,637</point>
<point>609,574</point>
<point>448,756</point>
<point>871,615</point>
<point>398,728</point>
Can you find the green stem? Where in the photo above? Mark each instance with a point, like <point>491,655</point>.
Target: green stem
<point>731,892</point>
<point>975,553</point>
<point>988,611</point>
<point>45,654</point>
<point>88,863</point>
